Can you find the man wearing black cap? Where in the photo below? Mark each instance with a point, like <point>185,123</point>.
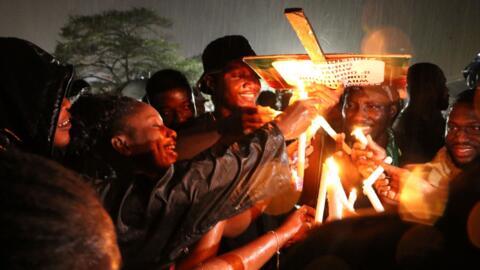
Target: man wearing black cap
<point>234,88</point>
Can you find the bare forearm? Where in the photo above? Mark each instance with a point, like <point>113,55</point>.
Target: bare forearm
<point>251,256</point>
<point>207,247</point>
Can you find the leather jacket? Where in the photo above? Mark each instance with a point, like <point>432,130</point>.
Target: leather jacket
<point>157,220</point>
<point>32,87</point>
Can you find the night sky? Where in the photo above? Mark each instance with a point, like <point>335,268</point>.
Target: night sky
<point>440,31</point>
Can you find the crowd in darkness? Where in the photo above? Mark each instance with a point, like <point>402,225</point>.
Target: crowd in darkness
<point>102,181</point>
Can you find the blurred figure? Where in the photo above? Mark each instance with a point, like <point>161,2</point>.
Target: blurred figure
<point>51,219</point>
<point>420,128</point>
<point>472,73</point>
<point>33,109</point>
<point>169,92</point>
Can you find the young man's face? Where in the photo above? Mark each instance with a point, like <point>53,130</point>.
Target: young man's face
<point>174,105</point>
<point>146,134</point>
<point>238,86</point>
<point>369,108</point>
<point>62,135</point>
<point>463,134</point>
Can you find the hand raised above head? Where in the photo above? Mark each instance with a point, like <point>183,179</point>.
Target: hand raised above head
<point>327,97</point>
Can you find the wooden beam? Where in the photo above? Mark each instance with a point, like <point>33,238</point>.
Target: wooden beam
<point>305,33</point>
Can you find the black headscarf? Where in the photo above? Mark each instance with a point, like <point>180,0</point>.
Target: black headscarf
<point>32,87</point>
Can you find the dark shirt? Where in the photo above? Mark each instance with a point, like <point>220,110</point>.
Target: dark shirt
<point>159,219</point>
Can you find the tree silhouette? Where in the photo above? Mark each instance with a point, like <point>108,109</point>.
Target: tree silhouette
<point>115,47</point>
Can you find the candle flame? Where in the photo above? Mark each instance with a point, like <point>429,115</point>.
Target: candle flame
<point>332,165</point>
<point>359,135</point>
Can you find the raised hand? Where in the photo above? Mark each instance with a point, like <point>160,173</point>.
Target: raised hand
<point>327,97</point>
<point>297,118</point>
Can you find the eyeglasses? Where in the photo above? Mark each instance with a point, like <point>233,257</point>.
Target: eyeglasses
<point>469,130</point>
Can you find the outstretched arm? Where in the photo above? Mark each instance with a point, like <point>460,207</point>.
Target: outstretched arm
<point>255,254</point>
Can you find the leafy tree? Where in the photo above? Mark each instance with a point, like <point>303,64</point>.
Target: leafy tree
<point>115,47</point>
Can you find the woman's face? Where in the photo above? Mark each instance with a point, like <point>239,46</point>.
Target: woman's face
<point>145,133</point>
<point>62,135</point>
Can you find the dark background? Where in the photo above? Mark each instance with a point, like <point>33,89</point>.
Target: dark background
<point>440,31</point>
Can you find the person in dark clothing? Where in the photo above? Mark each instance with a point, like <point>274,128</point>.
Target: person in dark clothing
<point>169,92</point>
<point>420,128</point>
<point>51,219</point>
<point>160,210</point>
<point>33,108</point>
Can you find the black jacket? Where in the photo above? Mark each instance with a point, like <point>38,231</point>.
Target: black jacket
<point>158,220</point>
<point>32,87</point>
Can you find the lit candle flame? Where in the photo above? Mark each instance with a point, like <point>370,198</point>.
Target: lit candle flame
<point>358,134</point>
<point>331,187</point>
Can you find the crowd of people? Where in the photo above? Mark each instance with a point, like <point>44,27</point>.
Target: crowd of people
<point>102,181</point>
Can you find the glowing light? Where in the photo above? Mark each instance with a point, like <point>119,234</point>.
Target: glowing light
<point>331,188</point>
<point>358,134</point>
<point>473,225</point>
<point>321,122</point>
<point>349,71</point>
<point>424,193</point>
<point>322,191</point>
<point>352,197</point>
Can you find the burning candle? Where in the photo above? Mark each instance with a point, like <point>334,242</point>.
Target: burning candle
<point>376,173</point>
<point>336,195</point>
<point>352,197</point>
<point>372,196</point>
<point>358,134</point>
<point>322,191</point>
<point>326,126</point>
<point>368,189</point>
